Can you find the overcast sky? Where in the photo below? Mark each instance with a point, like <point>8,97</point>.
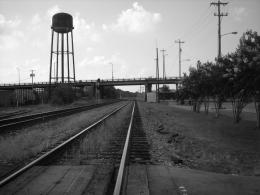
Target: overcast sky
<point>123,32</point>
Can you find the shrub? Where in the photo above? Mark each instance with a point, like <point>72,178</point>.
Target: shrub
<point>63,94</point>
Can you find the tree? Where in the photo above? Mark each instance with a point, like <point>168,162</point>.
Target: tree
<point>235,76</point>
<point>191,84</point>
<point>165,88</point>
<point>249,54</point>
<point>63,94</point>
<point>109,92</point>
<point>217,82</point>
<point>205,83</point>
<point>236,88</point>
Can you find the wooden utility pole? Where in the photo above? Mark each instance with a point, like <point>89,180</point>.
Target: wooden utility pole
<point>157,75</point>
<point>220,15</point>
<point>180,50</point>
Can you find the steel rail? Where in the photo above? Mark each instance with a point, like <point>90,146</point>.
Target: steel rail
<point>9,115</point>
<point>121,171</point>
<point>60,146</point>
<point>5,123</point>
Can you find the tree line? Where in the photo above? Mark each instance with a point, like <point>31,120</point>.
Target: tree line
<point>234,77</point>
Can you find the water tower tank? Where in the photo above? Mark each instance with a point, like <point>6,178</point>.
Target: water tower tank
<point>62,23</point>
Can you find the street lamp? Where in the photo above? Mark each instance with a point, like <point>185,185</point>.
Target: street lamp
<point>234,33</point>
<point>112,71</point>
<point>219,51</point>
<point>18,69</point>
<point>32,75</point>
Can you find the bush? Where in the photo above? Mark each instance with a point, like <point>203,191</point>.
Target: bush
<point>63,94</point>
<point>109,92</point>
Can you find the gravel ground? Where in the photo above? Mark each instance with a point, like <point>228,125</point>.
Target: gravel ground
<point>185,139</point>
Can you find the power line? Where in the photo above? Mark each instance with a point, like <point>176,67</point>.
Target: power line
<point>198,31</point>
<point>197,25</point>
<point>219,14</point>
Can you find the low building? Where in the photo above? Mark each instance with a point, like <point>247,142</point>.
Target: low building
<point>151,97</point>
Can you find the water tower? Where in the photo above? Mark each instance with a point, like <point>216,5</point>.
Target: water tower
<point>62,54</point>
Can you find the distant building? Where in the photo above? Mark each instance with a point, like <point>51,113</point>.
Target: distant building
<point>151,97</point>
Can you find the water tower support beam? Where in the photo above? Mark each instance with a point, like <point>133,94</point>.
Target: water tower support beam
<point>62,58</point>
<point>72,46</point>
<point>57,58</point>
<point>52,33</point>
<point>68,58</point>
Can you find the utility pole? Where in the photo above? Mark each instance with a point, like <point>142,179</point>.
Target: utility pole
<point>32,75</point>
<point>157,75</point>
<point>180,50</point>
<point>163,54</point>
<point>220,15</point>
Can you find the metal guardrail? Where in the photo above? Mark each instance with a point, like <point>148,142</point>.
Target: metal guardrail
<point>121,171</point>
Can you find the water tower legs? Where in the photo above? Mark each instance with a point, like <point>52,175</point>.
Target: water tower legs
<point>64,56</point>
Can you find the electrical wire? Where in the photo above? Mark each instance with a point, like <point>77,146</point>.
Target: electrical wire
<point>197,23</point>
<point>200,28</point>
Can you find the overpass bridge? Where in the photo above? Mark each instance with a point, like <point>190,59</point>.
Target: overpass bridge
<point>108,82</point>
<point>22,92</point>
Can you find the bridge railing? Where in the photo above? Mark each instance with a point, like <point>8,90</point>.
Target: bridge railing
<point>136,79</point>
<point>93,81</point>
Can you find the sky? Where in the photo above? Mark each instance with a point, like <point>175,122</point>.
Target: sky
<point>122,32</point>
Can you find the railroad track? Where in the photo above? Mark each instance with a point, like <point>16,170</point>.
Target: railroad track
<point>9,115</point>
<point>6,124</point>
<point>136,150</point>
<point>127,146</point>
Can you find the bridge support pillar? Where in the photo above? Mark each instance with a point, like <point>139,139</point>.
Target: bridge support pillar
<point>98,91</point>
<point>148,88</point>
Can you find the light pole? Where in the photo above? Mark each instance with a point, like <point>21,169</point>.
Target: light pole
<point>18,69</point>
<point>163,54</point>
<point>234,33</point>
<point>112,71</point>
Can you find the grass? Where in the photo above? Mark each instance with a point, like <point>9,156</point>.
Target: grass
<point>204,142</point>
<point>32,140</point>
<point>248,113</point>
